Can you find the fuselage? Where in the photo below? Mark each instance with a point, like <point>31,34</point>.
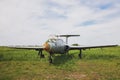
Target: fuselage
<point>56,46</point>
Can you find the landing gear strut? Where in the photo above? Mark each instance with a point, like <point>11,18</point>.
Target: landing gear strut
<point>40,53</point>
<point>50,58</point>
<point>80,54</point>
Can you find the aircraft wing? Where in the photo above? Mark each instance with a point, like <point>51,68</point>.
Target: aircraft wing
<point>29,48</point>
<point>88,47</point>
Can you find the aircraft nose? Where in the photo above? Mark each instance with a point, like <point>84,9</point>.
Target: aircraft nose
<point>47,46</point>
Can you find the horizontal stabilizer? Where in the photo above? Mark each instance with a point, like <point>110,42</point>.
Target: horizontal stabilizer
<point>67,35</point>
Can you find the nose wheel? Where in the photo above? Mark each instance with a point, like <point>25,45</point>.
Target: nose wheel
<point>50,58</point>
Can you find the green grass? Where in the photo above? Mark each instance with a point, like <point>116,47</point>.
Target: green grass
<point>96,64</point>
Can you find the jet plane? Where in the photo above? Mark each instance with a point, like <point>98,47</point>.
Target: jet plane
<point>58,46</point>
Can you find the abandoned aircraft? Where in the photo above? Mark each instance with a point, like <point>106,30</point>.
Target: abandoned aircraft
<point>57,45</point>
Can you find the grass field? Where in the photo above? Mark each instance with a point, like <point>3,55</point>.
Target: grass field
<point>96,64</point>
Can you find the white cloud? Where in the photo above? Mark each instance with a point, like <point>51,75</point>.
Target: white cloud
<point>31,21</point>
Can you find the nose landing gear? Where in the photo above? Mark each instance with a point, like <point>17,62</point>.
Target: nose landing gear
<point>50,58</point>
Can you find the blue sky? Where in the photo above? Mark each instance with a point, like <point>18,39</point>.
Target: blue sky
<point>30,22</point>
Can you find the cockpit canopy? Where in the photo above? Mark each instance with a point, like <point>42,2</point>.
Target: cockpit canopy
<point>53,40</point>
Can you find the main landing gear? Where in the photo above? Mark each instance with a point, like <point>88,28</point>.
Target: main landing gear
<point>42,56</point>
<point>80,54</point>
<point>40,53</point>
<point>50,57</point>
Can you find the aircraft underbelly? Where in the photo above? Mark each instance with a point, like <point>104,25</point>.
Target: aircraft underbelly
<point>57,48</point>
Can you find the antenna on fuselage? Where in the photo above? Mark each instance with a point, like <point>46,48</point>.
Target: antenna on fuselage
<point>67,36</point>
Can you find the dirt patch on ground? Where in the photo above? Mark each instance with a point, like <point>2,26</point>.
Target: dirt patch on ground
<point>76,76</point>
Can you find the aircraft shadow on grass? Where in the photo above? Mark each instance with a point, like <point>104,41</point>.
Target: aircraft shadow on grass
<point>62,59</point>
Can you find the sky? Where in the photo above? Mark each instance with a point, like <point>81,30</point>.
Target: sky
<point>32,22</point>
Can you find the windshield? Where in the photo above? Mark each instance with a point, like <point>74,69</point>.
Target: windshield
<point>51,40</point>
